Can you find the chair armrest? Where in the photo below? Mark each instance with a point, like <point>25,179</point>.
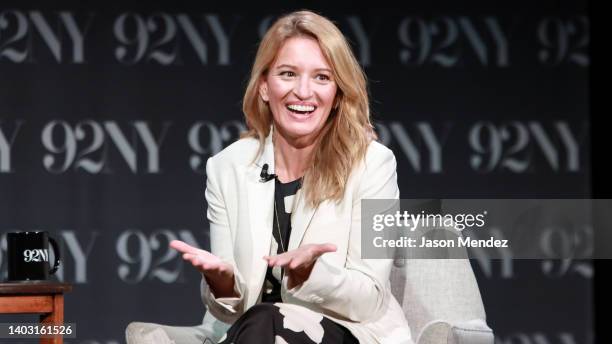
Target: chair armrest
<point>151,333</point>
<point>438,291</point>
<point>474,331</point>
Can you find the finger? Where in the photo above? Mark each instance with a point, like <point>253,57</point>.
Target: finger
<point>198,262</point>
<point>319,249</point>
<point>183,247</point>
<point>296,262</point>
<point>186,248</point>
<point>283,259</point>
<point>189,257</point>
<point>272,260</point>
<point>267,259</point>
<point>193,259</point>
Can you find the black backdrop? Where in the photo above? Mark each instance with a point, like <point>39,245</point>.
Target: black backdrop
<point>109,111</point>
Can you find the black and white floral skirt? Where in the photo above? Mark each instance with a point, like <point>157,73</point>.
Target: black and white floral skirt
<point>268,323</point>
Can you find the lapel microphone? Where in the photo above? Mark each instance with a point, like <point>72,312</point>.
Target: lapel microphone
<point>264,176</point>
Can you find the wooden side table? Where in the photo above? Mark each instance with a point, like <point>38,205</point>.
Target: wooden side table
<point>36,297</point>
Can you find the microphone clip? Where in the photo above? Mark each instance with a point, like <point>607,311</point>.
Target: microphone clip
<point>264,176</point>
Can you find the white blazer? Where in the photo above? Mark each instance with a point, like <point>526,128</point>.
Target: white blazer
<point>343,287</point>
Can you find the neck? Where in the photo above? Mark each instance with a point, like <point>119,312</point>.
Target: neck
<point>291,157</point>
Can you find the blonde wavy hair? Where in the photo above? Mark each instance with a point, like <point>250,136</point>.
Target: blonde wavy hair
<point>345,136</point>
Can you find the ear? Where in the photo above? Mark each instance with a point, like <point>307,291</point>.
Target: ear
<point>263,89</point>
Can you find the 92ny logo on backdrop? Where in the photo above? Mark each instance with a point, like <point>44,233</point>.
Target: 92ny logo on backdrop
<point>213,39</point>
<point>89,146</point>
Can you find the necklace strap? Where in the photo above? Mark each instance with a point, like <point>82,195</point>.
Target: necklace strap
<point>280,237</point>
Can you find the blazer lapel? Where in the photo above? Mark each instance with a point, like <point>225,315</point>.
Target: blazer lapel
<point>300,219</point>
<point>260,197</point>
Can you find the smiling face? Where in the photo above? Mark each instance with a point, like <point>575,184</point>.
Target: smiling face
<point>299,89</point>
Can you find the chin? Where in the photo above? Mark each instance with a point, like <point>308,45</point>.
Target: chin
<point>297,130</point>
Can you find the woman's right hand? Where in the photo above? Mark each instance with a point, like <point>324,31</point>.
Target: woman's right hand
<point>219,275</point>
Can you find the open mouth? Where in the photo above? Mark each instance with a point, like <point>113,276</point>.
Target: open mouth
<point>301,109</point>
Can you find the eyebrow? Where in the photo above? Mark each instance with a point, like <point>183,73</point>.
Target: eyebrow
<point>294,67</point>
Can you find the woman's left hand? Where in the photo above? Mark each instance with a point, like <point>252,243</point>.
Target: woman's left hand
<point>298,263</point>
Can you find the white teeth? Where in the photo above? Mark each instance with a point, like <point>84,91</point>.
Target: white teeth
<point>301,108</point>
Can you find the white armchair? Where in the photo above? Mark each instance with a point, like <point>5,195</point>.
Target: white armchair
<point>440,298</point>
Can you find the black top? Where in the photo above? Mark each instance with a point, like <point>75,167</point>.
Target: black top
<point>284,194</point>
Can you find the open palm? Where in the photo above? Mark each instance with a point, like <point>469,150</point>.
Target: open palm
<point>219,274</point>
<point>298,263</point>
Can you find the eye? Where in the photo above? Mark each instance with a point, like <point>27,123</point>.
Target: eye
<point>323,77</point>
<point>287,73</point>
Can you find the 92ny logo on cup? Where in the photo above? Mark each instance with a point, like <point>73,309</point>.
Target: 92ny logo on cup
<point>36,255</point>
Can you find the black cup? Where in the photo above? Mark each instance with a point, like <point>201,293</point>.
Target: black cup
<point>28,256</point>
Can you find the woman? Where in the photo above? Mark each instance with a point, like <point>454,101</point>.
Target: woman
<point>284,201</point>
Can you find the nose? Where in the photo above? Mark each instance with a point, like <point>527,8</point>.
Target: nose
<point>302,88</point>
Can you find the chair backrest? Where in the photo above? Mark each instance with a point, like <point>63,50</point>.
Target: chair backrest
<point>431,290</point>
